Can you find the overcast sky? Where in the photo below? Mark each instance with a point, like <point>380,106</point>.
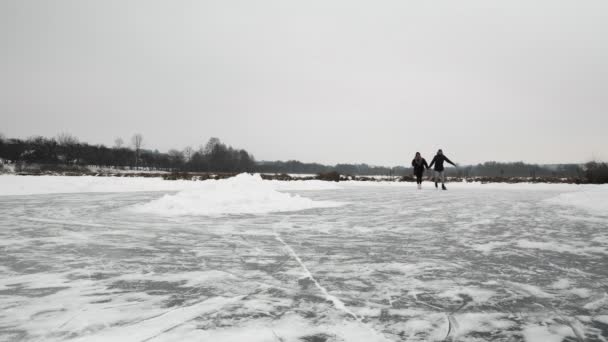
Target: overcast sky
<point>325,81</point>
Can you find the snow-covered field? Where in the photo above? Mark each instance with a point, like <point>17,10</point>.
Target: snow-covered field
<point>141,259</point>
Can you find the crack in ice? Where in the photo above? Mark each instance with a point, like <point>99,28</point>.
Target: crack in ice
<point>335,300</point>
<point>338,304</point>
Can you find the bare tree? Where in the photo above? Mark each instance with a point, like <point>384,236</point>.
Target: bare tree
<point>118,142</point>
<point>66,139</point>
<point>137,142</point>
<point>176,158</point>
<point>188,151</point>
<point>69,145</point>
<point>187,154</point>
<point>211,144</point>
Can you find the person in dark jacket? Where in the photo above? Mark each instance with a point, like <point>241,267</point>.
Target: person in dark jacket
<point>439,169</point>
<point>419,164</point>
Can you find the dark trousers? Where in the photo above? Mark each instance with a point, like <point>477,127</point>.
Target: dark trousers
<point>419,177</point>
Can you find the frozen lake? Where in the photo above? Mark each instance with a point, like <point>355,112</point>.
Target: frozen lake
<point>348,263</point>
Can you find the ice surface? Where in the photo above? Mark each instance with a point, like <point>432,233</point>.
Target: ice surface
<point>474,263</point>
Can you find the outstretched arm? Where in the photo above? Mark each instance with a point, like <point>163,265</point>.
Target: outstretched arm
<point>449,161</point>
<point>424,163</point>
<point>433,162</point>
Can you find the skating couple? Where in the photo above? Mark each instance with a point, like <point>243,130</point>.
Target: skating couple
<point>419,164</point>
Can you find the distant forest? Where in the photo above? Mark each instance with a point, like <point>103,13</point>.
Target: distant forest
<point>65,152</point>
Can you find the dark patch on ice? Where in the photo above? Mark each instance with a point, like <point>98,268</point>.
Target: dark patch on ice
<point>101,301</point>
<point>10,334</point>
<point>173,302</point>
<point>275,292</point>
<point>490,336</point>
<point>32,292</point>
<point>384,315</point>
<point>316,338</point>
<point>269,268</point>
<point>305,283</point>
<point>308,314</point>
<point>148,286</point>
<point>311,298</point>
<point>92,276</point>
<point>18,265</point>
<point>602,327</point>
<point>465,299</point>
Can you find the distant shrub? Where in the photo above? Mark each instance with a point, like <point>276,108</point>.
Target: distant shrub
<point>177,175</point>
<point>52,169</point>
<point>596,173</point>
<point>332,176</point>
<point>63,168</point>
<point>281,177</point>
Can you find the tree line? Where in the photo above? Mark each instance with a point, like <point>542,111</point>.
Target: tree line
<point>65,150</point>
<point>487,169</point>
<point>295,166</point>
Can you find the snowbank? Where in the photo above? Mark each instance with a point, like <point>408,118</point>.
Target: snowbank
<point>593,198</point>
<point>307,185</point>
<point>243,194</point>
<point>34,185</point>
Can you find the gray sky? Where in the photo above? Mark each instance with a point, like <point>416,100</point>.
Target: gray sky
<point>326,81</point>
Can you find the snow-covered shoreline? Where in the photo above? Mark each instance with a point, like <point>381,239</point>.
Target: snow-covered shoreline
<point>11,184</point>
<point>587,196</point>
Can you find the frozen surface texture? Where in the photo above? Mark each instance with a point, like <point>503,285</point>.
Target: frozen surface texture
<point>392,264</point>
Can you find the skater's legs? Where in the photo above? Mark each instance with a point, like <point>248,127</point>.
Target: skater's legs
<point>439,176</point>
<point>436,176</point>
<point>442,176</point>
<point>419,180</point>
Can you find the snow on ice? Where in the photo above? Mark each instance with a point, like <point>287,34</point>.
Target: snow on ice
<point>242,259</point>
<point>243,194</point>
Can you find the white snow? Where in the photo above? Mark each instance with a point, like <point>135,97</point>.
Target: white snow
<point>37,185</point>
<point>561,284</point>
<point>597,303</point>
<point>591,198</point>
<point>561,247</point>
<point>308,185</point>
<point>156,325</point>
<point>528,290</point>
<point>486,248</point>
<point>580,292</point>
<point>243,194</point>
<point>477,294</point>
<point>543,333</point>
